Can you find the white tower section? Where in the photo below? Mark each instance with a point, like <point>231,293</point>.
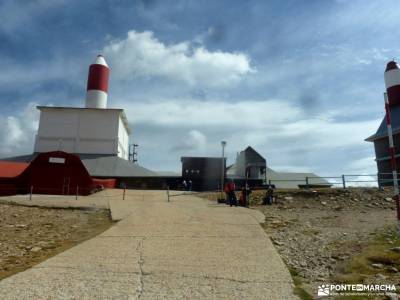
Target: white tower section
<point>83,131</point>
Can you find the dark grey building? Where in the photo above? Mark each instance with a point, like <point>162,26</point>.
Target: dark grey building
<point>249,167</point>
<point>251,162</point>
<point>381,145</point>
<point>204,172</point>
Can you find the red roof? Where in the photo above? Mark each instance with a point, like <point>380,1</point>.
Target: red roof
<point>10,169</point>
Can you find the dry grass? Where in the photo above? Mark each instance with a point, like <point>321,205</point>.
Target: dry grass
<point>298,283</point>
<point>377,251</point>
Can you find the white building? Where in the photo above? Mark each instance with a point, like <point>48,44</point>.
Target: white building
<point>83,131</point>
<point>94,129</point>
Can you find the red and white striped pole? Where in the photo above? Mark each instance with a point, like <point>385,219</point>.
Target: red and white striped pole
<point>393,163</point>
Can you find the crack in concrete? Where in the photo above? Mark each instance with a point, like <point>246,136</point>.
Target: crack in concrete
<point>178,236</point>
<point>140,263</point>
<point>211,277</point>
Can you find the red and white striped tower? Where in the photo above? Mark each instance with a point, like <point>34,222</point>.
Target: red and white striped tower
<point>392,97</point>
<point>97,84</point>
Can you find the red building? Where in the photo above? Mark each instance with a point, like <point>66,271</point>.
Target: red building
<point>49,173</point>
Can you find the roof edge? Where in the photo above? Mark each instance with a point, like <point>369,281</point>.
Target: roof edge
<point>381,136</point>
<point>40,107</point>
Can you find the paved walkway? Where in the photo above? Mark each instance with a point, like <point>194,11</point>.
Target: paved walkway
<point>188,248</point>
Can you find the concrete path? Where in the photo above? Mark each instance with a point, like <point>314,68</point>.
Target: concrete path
<point>188,248</point>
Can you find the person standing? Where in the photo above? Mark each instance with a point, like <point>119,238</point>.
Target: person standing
<point>184,184</point>
<point>247,192</point>
<point>190,183</point>
<point>231,193</point>
<point>242,199</point>
<point>227,195</point>
<point>269,196</point>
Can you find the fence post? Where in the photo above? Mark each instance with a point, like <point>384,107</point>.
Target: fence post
<point>30,196</point>
<point>307,181</point>
<point>379,181</point>
<point>344,181</point>
<point>168,193</point>
<point>77,191</point>
<point>123,196</point>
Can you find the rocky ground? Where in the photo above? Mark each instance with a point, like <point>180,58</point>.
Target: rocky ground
<point>29,235</point>
<point>334,236</point>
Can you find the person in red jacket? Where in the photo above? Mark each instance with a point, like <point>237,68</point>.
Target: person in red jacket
<point>230,192</point>
<point>226,190</point>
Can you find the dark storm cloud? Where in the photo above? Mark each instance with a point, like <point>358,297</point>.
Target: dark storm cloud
<point>149,4</point>
<point>309,100</point>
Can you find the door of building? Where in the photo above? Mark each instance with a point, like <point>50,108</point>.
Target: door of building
<point>65,189</point>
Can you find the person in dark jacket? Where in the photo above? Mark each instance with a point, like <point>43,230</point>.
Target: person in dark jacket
<point>247,192</point>
<point>269,196</point>
<point>190,185</point>
<point>233,194</point>
<point>242,198</point>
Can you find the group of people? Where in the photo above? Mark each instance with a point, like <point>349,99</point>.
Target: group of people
<point>245,192</point>
<point>230,189</point>
<point>187,185</point>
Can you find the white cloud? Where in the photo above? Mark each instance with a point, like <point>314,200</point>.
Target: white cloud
<point>142,55</point>
<point>256,120</point>
<point>326,133</point>
<point>196,139</point>
<point>289,137</point>
<point>17,131</point>
<point>193,141</point>
<point>357,181</point>
<point>13,129</point>
<point>191,113</point>
<point>204,35</point>
<point>364,165</point>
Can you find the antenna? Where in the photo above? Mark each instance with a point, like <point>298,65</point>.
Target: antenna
<point>133,152</point>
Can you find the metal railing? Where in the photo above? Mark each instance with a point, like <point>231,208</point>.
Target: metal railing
<point>342,181</point>
<point>76,192</point>
<point>187,193</point>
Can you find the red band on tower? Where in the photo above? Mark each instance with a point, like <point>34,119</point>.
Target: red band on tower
<point>98,78</point>
<point>392,82</point>
<point>394,95</point>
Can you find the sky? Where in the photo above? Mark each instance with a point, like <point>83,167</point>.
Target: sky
<point>301,81</point>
